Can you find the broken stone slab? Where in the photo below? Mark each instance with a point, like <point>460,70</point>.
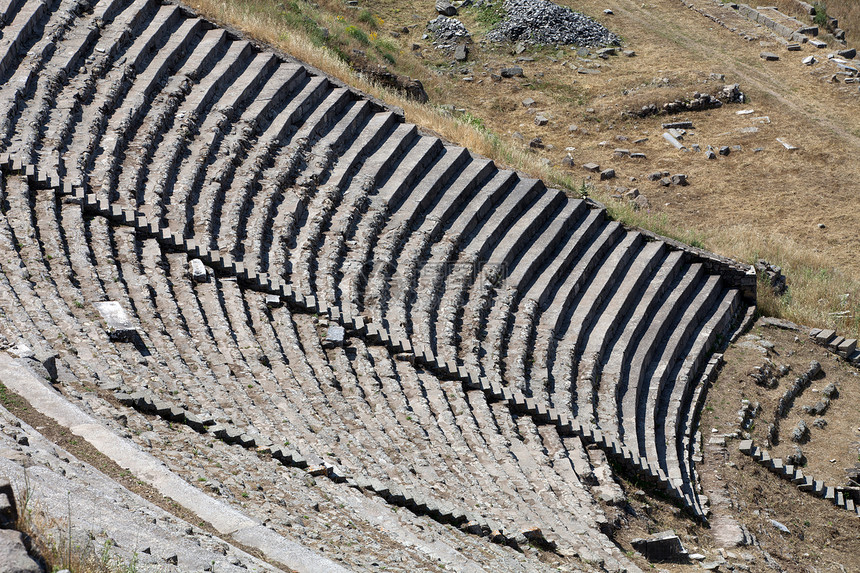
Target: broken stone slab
<point>769,56</point>
<point>818,44</point>
<point>793,47</point>
<point>847,347</point>
<point>848,54</point>
<point>592,167</point>
<point>824,336</point>
<point>607,174</point>
<point>541,120</point>
<point>725,150</point>
<point>678,125</point>
<point>528,102</point>
<point>119,325</point>
<point>675,143</point>
<point>665,546</point>
<point>461,53</point>
<point>198,271</point>
<point>512,72</point>
<point>679,179</point>
<point>7,493</point>
<point>335,335</point>
<point>13,553</point>
<point>786,145</point>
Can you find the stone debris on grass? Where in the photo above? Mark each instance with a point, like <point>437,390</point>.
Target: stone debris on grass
<point>512,72</point>
<point>539,22</point>
<point>785,144</point>
<point>674,141</point>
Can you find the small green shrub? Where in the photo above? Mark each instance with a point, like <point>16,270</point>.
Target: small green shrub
<point>820,17</point>
<point>489,16</point>
<point>358,34</point>
<point>368,18</point>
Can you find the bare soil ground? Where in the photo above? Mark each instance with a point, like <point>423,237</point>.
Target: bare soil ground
<point>831,449</point>
<point>822,537</point>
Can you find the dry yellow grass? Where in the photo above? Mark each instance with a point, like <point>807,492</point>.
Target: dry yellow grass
<point>771,221</point>
<point>818,294</point>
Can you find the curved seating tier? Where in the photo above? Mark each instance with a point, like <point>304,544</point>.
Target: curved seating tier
<point>190,142</point>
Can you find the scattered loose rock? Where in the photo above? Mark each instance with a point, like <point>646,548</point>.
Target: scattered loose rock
<point>679,179</point>
<point>512,72</point>
<point>665,546</point>
<point>800,433</point>
<point>773,274</point>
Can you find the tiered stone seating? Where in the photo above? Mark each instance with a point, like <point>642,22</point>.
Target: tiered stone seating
<point>523,312</point>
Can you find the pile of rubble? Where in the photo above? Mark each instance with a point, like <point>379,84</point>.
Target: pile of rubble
<point>728,94</point>
<point>447,32</point>
<point>538,22</point>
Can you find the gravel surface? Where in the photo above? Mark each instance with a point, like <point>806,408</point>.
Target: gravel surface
<point>540,22</point>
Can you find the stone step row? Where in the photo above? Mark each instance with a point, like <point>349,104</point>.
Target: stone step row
<point>279,291</point>
<point>233,135</point>
<point>844,347</point>
<point>39,177</point>
<point>771,18</point>
<point>376,334</point>
<point>128,277</point>
<point>17,32</point>
<point>414,501</point>
<point>847,499</point>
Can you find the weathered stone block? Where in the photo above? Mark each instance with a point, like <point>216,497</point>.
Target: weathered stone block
<point>665,546</point>
<point>335,335</point>
<point>118,325</point>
